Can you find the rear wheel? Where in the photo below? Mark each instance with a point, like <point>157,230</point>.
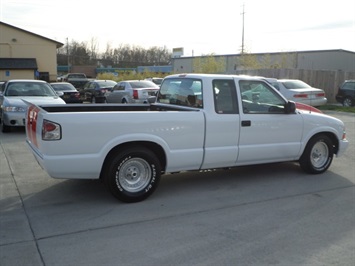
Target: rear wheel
<point>318,155</point>
<point>133,175</point>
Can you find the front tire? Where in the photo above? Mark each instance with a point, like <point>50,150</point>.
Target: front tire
<point>318,155</point>
<point>347,102</point>
<point>4,128</point>
<point>133,175</point>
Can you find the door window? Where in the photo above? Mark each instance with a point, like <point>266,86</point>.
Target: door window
<point>259,98</point>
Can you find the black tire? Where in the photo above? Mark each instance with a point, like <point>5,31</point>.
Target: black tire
<point>348,102</point>
<point>132,175</point>
<point>318,155</point>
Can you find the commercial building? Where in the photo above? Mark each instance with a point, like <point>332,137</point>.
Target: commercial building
<point>26,55</point>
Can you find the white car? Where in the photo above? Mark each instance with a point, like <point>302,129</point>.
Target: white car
<point>132,91</point>
<point>13,108</point>
<point>299,91</point>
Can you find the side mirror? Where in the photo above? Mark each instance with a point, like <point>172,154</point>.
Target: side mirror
<point>290,107</point>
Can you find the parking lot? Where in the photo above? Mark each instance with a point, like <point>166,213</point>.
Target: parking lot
<point>271,214</point>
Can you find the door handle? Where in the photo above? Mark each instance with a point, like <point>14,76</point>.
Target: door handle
<point>246,123</point>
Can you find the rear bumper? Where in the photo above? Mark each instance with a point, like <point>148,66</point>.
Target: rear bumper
<point>314,102</point>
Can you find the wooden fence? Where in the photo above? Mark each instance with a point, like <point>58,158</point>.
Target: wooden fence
<point>327,80</point>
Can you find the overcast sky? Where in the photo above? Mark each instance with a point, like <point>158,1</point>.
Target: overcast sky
<point>199,27</point>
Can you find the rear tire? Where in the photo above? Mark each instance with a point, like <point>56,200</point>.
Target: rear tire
<point>318,155</point>
<point>132,175</point>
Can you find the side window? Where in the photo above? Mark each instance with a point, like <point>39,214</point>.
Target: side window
<point>259,97</point>
<point>225,97</point>
<point>121,87</point>
<point>181,91</point>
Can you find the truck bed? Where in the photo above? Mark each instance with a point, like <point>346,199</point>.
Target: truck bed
<point>114,107</point>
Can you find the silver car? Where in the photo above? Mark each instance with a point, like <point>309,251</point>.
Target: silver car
<point>13,108</point>
<point>132,91</point>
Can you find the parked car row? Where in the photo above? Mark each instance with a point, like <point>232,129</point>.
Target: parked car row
<point>14,93</point>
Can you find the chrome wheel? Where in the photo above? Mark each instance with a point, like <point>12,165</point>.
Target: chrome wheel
<point>319,154</point>
<point>134,175</point>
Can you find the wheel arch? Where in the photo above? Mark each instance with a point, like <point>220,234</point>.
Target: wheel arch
<point>331,136</point>
<point>154,147</point>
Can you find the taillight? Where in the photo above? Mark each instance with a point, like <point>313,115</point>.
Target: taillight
<point>77,95</point>
<point>51,130</point>
<point>300,96</point>
<point>321,94</point>
<point>135,94</point>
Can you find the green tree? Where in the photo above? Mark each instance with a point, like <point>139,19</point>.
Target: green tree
<point>248,61</point>
<point>209,64</point>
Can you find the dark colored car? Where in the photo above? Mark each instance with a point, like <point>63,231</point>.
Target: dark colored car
<point>70,93</point>
<point>94,91</point>
<point>346,93</point>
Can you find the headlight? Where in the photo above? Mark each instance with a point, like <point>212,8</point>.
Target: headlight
<point>14,109</point>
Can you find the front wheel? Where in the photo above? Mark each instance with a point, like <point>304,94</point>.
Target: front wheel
<point>133,175</point>
<point>348,102</point>
<point>4,128</point>
<point>318,155</point>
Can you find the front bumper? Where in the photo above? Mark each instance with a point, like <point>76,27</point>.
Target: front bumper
<point>343,145</point>
<point>14,119</point>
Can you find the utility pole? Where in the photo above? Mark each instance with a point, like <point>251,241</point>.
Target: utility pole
<point>243,31</point>
<point>68,55</point>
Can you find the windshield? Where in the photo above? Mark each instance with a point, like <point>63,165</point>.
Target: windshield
<point>295,84</point>
<point>63,87</point>
<point>29,89</point>
<point>107,83</point>
<point>143,84</point>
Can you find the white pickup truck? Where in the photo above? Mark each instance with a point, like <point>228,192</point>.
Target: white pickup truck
<point>196,122</point>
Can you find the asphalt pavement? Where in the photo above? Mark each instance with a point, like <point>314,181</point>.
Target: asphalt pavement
<point>272,214</point>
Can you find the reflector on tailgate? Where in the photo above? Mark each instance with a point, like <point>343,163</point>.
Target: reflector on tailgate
<point>31,124</point>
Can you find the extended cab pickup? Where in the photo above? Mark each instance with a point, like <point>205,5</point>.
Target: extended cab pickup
<point>196,122</point>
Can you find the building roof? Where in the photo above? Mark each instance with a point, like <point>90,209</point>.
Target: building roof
<point>18,63</point>
<point>58,44</point>
<point>272,53</point>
